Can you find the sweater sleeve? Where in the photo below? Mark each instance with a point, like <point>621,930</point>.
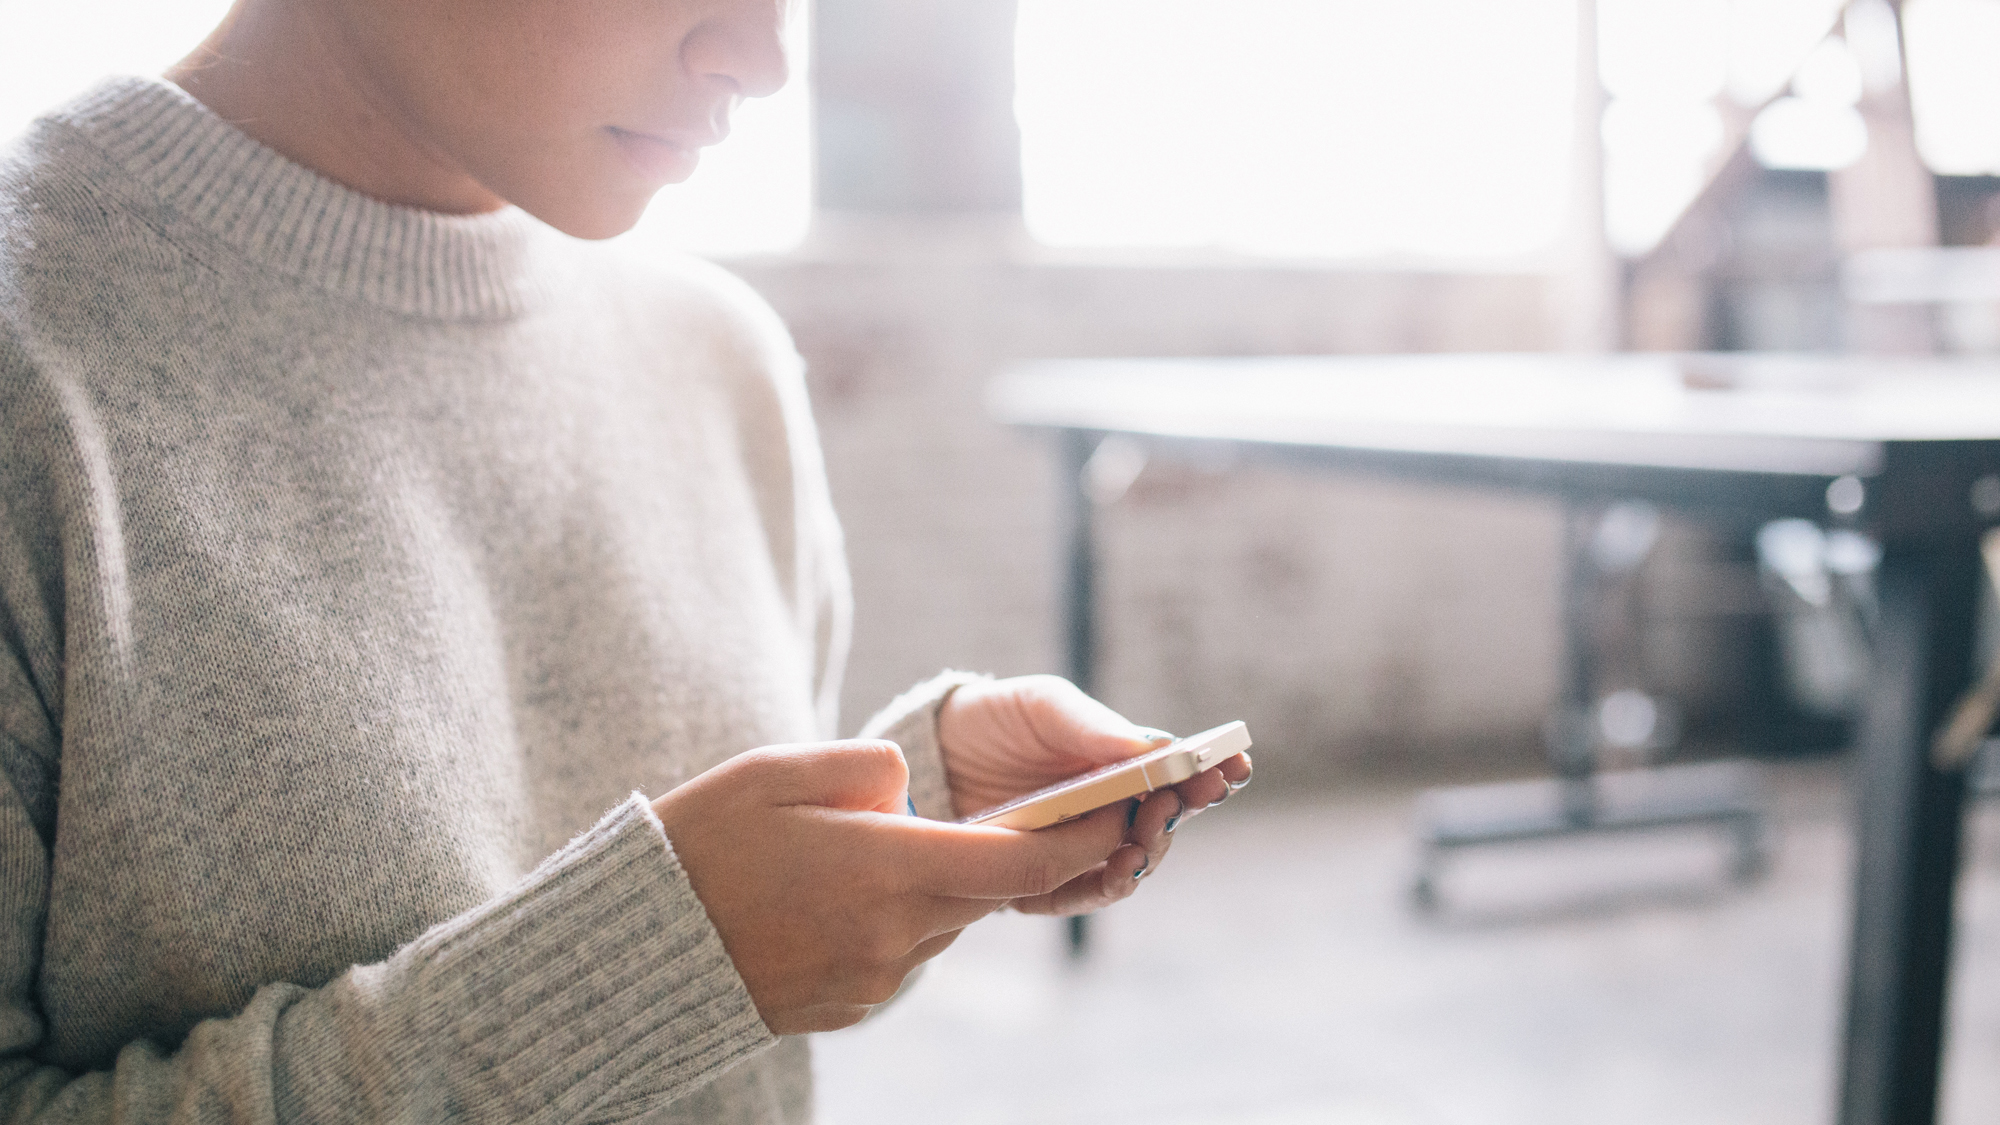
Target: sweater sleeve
<point>911,722</point>
<point>593,990</point>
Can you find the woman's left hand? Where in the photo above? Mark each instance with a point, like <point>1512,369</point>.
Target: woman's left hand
<point>1003,738</point>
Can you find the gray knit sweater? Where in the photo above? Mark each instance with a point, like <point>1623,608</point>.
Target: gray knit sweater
<point>354,561</point>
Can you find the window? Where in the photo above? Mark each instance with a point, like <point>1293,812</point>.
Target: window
<point>752,194</point>
<point>1669,69</point>
<point>1434,129</point>
<point>1954,50</point>
<point>54,51</point>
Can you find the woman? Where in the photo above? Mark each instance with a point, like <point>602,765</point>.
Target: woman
<point>362,541</point>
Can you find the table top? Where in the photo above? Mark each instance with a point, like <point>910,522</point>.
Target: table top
<point>1700,428</point>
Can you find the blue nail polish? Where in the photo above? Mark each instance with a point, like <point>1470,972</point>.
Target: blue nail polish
<point>911,802</point>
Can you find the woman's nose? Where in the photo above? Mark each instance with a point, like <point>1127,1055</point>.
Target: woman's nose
<point>744,46</point>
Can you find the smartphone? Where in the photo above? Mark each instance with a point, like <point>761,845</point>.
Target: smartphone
<point>1156,769</point>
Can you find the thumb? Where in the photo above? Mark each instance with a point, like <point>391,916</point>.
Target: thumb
<point>863,775</point>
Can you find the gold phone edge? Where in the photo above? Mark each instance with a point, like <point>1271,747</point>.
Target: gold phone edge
<point>1175,769</point>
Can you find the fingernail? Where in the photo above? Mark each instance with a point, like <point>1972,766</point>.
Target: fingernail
<point>1143,865</point>
<point>1174,821</point>
<point>1226,791</point>
<point>1153,734</point>
<point>1233,786</point>
<point>912,802</point>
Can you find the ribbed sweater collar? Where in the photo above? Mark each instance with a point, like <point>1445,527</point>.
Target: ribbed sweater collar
<point>206,171</point>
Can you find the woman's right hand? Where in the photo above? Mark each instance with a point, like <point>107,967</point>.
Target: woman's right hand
<point>826,894</point>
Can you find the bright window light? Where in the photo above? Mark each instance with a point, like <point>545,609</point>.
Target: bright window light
<point>1656,157</point>
<point>752,194</point>
<point>1667,66</point>
<point>1436,129</point>
<point>1830,75</point>
<point>1768,40</point>
<point>1808,134</point>
<point>1649,51</point>
<point>1954,52</point>
<point>1662,65</point>
<point>50,52</point>
<point>1817,127</point>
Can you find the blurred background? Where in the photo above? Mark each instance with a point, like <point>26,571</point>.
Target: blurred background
<point>955,186</point>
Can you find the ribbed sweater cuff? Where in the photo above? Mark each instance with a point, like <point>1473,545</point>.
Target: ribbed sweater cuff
<point>911,722</point>
<point>595,990</point>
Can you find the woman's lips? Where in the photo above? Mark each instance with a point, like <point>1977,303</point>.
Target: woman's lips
<point>657,159</point>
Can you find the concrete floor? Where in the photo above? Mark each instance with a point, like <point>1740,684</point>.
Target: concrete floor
<point>1271,974</point>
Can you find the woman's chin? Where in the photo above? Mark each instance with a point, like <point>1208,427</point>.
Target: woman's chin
<point>605,213</point>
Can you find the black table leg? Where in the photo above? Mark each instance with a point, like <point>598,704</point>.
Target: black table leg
<point>1079,600</point>
<point>1907,836</point>
<point>1079,604</point>
<point>1572,735</point>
